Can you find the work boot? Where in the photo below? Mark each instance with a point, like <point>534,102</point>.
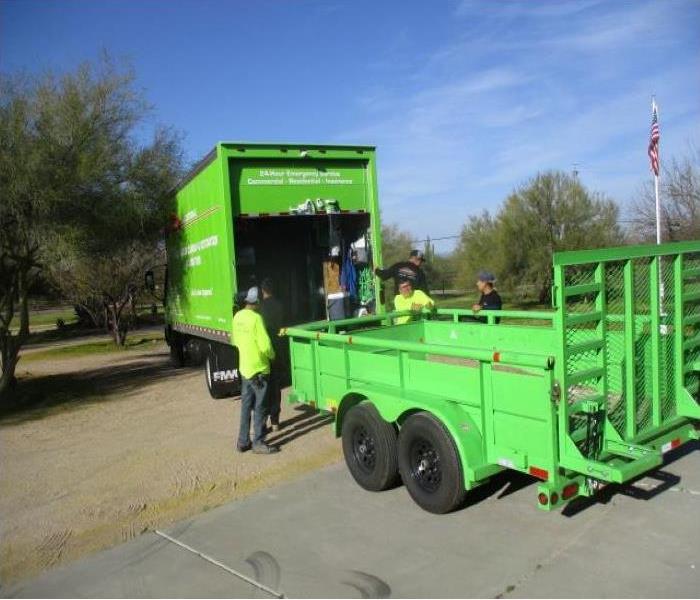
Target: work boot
<point>275,426</point>
<point>265,449</point>
<point>244,447</point>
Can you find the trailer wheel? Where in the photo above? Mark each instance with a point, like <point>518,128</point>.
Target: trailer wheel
<point>221,373</point>
<point>369,446</point>
<point>177,350</point>
<point>429,464</point>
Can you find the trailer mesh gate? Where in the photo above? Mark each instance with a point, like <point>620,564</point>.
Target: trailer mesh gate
<point>631,338</point>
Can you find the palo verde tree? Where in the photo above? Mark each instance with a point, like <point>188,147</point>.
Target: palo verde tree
<point>82,197</point>
<point>551,212</point>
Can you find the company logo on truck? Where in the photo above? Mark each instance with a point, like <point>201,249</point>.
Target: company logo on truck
<point>309,176</point>
<point>225,375</point>
<point>208,242</point>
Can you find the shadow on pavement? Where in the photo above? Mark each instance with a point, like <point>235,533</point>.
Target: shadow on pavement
<point>633,489</point>
<point>508,482</point>
<point>306,421</point>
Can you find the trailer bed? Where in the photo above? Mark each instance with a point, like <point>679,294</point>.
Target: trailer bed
<point>590,393</point>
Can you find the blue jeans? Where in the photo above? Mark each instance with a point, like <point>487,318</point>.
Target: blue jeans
<point>253,400</point>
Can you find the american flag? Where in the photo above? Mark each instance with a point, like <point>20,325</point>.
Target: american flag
<point>653,150</point>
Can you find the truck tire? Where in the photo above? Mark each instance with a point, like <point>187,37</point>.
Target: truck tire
<point>370,448</point>
<point>221,372</point>
<point>177,350</point>
<point>429,464</point>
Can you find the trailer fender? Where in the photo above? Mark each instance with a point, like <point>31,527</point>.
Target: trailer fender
<point>458,422</point>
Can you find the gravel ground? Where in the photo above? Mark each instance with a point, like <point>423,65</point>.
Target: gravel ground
<point>122,443</point>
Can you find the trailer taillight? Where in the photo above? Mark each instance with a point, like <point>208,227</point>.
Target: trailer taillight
<point>569,491</point>
<point>542,474</point>
<point>668,446</point>
<point>554,498</point>
<point>496,357</point>
<point>543,499</point>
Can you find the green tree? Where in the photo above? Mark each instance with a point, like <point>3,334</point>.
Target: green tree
<point>396,245</point>
<point>79,192</point>
<point>476,250</point>
<point>551,212</point>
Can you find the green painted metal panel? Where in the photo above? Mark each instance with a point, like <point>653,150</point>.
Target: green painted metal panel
<point>199,268</point>
<point>254,179</point>
<point>583,257</point>
<point>458,382</point>
<point>374,367</point>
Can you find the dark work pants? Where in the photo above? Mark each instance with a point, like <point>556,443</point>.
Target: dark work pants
<point>274,394</point>
<point>253,399</point>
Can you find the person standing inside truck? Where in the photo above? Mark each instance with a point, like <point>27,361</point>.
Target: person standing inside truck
<point>272,312</point>
<point>410,299</point>
<point>489,299</point>
<point>411,270</point>
<point>255,353</point>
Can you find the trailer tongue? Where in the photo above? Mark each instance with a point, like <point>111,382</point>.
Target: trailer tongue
<point>593,392</point>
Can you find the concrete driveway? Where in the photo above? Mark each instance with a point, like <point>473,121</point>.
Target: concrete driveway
<point>323,536</point>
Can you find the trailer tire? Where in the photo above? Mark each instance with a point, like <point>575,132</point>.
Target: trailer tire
<point>429,464</point>
<point>222,360</point>
<point>177,350</point>
<point>370,448</point>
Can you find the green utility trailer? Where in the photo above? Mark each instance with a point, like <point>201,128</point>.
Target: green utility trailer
<point>591,393</point>
<point>246,212</point>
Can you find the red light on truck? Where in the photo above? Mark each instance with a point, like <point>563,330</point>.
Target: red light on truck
<point>569,491</point>
<point>542,499</point>
<point>554,498</point>
<point>496,357</point>
<point>539,473</point>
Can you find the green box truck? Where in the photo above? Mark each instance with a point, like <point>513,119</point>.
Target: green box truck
<point>294,213</point>
<point>591,393</point>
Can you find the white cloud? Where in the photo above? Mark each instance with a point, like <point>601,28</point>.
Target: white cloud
<point>521,90</point>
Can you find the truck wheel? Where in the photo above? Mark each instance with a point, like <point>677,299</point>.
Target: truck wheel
<point>221,372</point>
<point>429,464</point>
<point>369,446</point>
<point>177,350</point>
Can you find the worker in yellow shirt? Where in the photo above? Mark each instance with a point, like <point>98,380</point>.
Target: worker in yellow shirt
<point>410,299</point>
<point>255,353</point>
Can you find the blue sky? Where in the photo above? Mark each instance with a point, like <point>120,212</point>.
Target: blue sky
<point>464,99</point>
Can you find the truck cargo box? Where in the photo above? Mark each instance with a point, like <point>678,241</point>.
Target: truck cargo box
<point>293,213</point>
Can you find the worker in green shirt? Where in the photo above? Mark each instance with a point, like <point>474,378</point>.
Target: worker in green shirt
<point>410,299</point>
<point>255,353</point>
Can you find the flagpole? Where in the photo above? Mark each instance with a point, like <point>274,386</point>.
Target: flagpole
<point>658,210</point>
<point>656,182</point>
<point>662,311</point>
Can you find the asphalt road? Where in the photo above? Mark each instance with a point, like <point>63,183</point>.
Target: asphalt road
<point>323,536</point>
